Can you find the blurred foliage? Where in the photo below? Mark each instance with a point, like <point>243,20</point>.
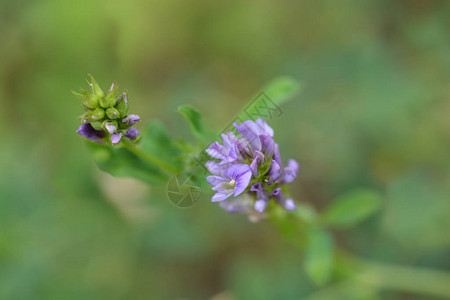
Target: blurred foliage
<point>373,113</point>
<point>353,207</point>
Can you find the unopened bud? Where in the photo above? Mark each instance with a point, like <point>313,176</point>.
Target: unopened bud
<point>103,102</point>
<point>112,113</point>
<point>95,87</point>
<point>122,105</point>
<point>95,115</point>
<point>111,97</point>
<point>130,120</point>
<point>113,89</point>
<point>132,134</point>
<point>97,125</point>
<point>110,126</point>
<point>116,137</point>
<point>87,99</point>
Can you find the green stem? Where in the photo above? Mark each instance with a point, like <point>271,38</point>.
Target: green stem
<point>405,278</point>
<point>166,168</point>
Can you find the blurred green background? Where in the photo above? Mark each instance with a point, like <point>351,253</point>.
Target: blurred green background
<point>374,112</point>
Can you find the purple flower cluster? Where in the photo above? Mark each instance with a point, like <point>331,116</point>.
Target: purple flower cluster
<point>106,115</point>
<point>248,168</point>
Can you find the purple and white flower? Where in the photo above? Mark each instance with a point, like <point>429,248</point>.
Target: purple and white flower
<point>233,182</point>
<point>249,169</point>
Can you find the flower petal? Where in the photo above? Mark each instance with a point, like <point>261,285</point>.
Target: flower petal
<point>242,182</point>
<point>86,130</point>
<point>116,137</point>
<point>217,150</point>
<point>130,119</point>
<point>223,187</point>
<point>110,127</point>
<point>220,196</point>
<point>132,133</point>
<point>249,130</point>
<point>235,205</point>
<point>257,187</point>
<point>289,204</point>
<point>274,171</point>
<point>235,171</point>
<point>267,144</point>
<point>277,194</point>
<point>260,205</point>
<point>216,180</point>
<point>243,149</point>
<point>290,172</point>
<point>259,157</point>
<point>276,156</point>
<point>228,139</point>
<point>264,127</point>
<point>229,158</point>
<point>215,168</point>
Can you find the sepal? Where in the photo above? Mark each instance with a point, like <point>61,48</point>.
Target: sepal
<point>122,105</point>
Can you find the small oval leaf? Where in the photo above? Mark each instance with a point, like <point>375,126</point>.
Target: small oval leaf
<point>281,89</point>
<point>319,256</point>
<point>352,208</point>
<point>198,127</point>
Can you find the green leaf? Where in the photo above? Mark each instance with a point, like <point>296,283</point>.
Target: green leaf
<point>198,127</point>
<point>158,142</point>
<point>281,89</point>
<point>352,208</point>
<point>319,256</point>
<point>121,162</point>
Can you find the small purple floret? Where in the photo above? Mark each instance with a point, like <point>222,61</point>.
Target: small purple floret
<point>289,204</point>
<point>286,203</point>
<point>260,205</point>
<point>130,120</point>
<point>132,133</point>
<point>262,200</point>
<point>290,172</point>
<point>116,137</point>
<point>110,128</point>
<point>236,205</point>
<point>90,132</point>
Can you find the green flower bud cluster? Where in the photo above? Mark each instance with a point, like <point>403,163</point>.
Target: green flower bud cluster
<point>106,114</point>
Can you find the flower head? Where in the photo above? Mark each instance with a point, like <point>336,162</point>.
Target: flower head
<point>249,169</point>
<point>106,115</point>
